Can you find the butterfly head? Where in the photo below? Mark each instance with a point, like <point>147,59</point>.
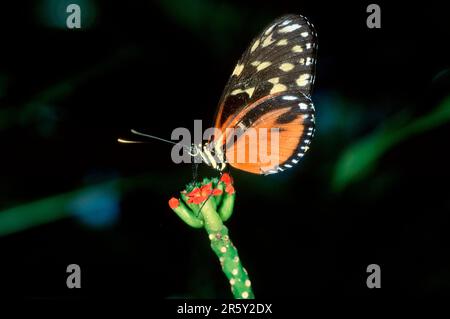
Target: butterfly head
<point>209,153</point>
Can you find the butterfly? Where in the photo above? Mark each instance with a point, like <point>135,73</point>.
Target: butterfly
<point>269,88</point>
<point>269,91</point>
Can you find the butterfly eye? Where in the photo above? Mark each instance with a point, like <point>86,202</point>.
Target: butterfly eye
<point>194,151</point>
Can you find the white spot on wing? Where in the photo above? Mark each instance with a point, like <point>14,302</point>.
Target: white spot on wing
<point>278,88</point>
<point>297,48</point>
<point>269,29</point>
<point>263,65</point>
<point>250,91</point>
<point>304,34</point>
<point>282,42</point>
<point>274,80</point>
<point>303,106</point>
<point>238,69</point>
<point>289,28</point>
<point>289,98</point>
<point>254,46</point>
<point>286,67</point>
<point>303,79</point>
<point>268,41</point>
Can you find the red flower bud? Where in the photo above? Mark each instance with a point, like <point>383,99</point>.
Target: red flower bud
<point>199,195</point>
<point>229,189</point>
<point>174,203</point>
<point>226,178</point>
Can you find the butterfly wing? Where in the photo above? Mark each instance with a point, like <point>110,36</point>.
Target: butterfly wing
<point>281,57</point>
<point>269,88</point>
<point>291,115</point>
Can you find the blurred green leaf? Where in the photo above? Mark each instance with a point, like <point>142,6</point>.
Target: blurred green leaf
<point>360,159</point>
<point>59,206</point>
<point>41,211</point>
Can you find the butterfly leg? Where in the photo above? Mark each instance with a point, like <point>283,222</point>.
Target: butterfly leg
<point>194,172</point>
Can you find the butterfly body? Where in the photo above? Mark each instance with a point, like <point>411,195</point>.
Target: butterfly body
<point>269,89</point>
<point>209,153</point>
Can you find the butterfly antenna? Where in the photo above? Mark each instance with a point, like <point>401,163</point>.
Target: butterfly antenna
<point>152,136</point>
<point>121,140</point>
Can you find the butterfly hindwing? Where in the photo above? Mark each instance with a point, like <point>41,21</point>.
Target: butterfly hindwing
<point>279,59</point>
<point>292,115</point>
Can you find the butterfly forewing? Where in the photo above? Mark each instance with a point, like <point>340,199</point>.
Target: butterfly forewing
<point>270,88</point>
<point>279,59</point>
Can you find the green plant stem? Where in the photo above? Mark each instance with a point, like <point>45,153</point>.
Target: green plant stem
<point>211,213</point>
<point>227,253</point>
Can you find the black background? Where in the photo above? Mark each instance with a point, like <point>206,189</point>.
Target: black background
<point>66,95</point>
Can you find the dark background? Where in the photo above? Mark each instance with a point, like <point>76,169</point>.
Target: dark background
<point>373,188</point>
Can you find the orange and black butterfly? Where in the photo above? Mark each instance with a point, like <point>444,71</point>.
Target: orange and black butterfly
<point>270,88</point>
